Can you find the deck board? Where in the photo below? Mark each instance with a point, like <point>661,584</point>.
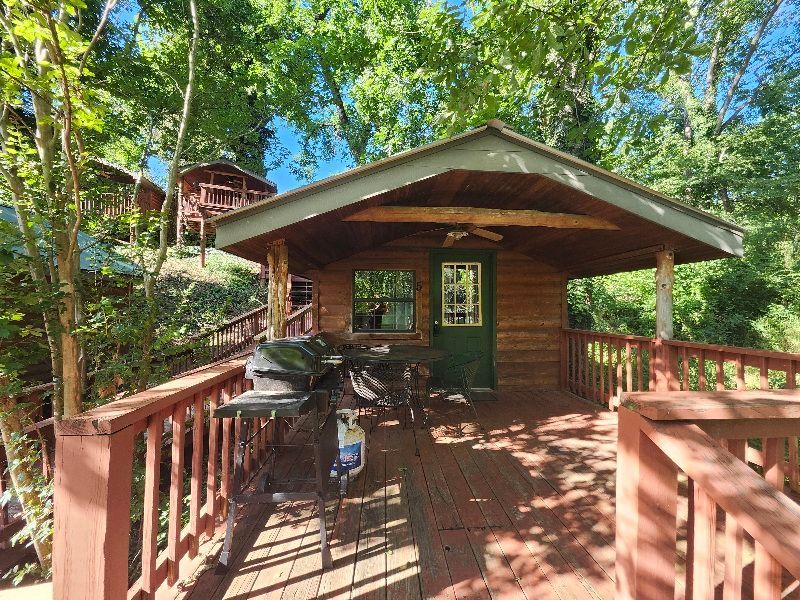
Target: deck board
<point>523,509</point>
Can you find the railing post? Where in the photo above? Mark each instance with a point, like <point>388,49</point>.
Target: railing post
<point>647,497</point>
<point>92,515</point>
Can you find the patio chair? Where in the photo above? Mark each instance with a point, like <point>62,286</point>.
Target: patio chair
<point>458,377</point>
<point>345,368</point>
<point>382,386</point>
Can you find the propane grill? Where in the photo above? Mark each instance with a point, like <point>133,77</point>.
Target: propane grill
<point>303,363</point>
<point>296,379</point>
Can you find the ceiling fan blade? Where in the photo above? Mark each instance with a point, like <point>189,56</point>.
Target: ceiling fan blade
<point>485,233</point>
<point>449,240</point>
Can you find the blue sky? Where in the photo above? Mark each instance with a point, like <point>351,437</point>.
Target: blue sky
<point>283,177</point>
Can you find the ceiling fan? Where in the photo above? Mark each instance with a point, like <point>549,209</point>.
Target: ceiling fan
<point>461,232</point>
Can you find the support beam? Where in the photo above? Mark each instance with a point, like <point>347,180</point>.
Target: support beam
<point>665,279</point>
<point>665,361</point>
<point>202,241</point>
<point>486,217</point>
<point>278,264</point>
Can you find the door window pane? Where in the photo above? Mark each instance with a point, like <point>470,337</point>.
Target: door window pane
<point>461,294</point>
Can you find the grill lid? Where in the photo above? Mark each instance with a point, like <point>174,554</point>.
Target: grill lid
<point>305,355</point>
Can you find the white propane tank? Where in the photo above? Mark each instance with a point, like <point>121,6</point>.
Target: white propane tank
<point>351,442</point>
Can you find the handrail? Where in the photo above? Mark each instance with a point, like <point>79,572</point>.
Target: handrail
<point>97,451</point>
<point>232,337</point>
<point>600,366</point>
<point>708,447</point>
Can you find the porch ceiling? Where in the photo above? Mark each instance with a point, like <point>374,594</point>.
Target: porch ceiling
<point>325,238</point>
<point>490,167</point>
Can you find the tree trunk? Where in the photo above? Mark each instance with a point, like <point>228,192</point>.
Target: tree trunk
<point>16,446</point>
<point>151,320</point>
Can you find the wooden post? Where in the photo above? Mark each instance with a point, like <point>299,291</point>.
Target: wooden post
<point>647,495</point>
<point>564,379</point>
<point>664,364</point>
<point>278,263</point>
<point>665,279</point>
<point>92,515</point>
<point>202,241</point>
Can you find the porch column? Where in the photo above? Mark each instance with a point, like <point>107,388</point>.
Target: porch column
<point>665,364</point>
<point>278,264</point>
<point>665,279</point>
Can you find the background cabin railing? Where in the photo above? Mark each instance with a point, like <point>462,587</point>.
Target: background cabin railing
<point>222,197</point>
<point>655,454</point>
<point>139,532</point>
<point>110,204</point>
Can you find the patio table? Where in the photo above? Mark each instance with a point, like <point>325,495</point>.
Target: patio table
<point>406,354</point>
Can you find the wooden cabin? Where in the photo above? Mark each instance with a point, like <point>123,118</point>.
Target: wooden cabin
<point>514,218</point>
<point>210,189</point>
<point>115,196</point>
<point>605,465</point>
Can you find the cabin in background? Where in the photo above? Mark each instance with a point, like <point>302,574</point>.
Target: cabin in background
<point>115,195</point>
<point>206,190</point>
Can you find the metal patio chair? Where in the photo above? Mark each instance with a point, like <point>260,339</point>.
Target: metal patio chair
<point>382,386</point>
<point>458,377</point>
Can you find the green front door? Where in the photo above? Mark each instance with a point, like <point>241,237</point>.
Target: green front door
<point>462,306</point>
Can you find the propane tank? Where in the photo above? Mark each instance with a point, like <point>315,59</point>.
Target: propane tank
<point>351,442</point>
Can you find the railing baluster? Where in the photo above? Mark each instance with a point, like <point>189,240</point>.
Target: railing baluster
<point>763,380</point>
<point>226,450</point>
<point>740,383</point>
<point>628,365</point>
<point>767,570</point>
<point>610,398</point>
<point>211,477</point>
<point>720,371</point>
<point>685,369</point>
<point>734,540</point>
<point>197,474</point>
<point>702,539</point>
<point>701,371</point>
<point>176,492</point>
<point>152,478</point>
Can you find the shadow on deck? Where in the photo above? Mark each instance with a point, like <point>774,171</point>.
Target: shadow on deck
<point>524,509</point>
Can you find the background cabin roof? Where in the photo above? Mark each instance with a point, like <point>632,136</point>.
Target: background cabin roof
<point>487,167</point>
<point>94,255</point>
<point>120,174</point>
<point>204,165</point>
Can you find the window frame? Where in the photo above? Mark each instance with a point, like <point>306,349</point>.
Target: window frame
<point>479,285</point>
<point>412,300</point>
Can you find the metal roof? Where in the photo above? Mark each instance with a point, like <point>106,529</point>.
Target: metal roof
<point>94,255</point>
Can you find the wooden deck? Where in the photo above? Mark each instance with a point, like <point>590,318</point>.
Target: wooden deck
<point>524,510</point>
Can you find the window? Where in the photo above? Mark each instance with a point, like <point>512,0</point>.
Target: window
<point>461,294</point>
<point>384,301</point>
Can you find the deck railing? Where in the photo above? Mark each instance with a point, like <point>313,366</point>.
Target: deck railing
<point>129,544</point>
<point>110,204</point>
<point>231,338</point>
<point>601,366</point>
<point>222,197</point>
<point>706,444</point>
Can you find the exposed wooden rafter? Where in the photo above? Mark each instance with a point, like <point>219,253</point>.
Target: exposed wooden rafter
<point>486,217</point>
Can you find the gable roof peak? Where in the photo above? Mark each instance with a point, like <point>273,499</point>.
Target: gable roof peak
<point>496,124</point>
